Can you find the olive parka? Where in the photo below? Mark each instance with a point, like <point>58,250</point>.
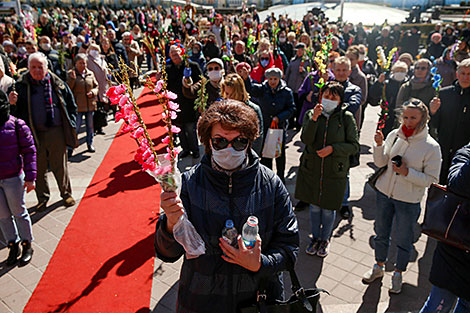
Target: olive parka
<point>322,181</point>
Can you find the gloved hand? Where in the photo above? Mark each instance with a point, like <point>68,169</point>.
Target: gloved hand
<point>187,72</point>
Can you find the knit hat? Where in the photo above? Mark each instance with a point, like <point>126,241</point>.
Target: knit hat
<point>273,72</point>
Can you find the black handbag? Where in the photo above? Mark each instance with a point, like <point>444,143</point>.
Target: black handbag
<point>301,301</point>
<point>372,178</point>
<point>447,217</point>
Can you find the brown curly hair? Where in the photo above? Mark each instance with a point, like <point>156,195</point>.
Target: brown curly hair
<point>232,115</point>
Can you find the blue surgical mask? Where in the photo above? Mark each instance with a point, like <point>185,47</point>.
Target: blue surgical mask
<point>229,158</point>
<point>264,63</point>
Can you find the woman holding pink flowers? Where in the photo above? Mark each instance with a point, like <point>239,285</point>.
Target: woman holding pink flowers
<point>229,184</point>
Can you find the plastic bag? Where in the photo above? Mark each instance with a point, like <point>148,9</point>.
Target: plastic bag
<point>187,236</point>
<point>183,231</point>
<point>273,143</point>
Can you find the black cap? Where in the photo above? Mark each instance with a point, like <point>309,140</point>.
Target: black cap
<point>300,45</point>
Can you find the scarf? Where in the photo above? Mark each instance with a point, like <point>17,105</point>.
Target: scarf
<point>406,131</point>
<point>46,81</point>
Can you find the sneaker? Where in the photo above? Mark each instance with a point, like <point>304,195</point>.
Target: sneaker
<point>312,247</point>
<point>345,212</point>
<point>69,201</point>
<point>323,248</point>
<point>397,282</point>
<point>376,272</point>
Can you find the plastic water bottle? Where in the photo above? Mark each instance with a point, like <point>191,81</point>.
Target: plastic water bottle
<point>250,231</point>
<point>230,233</point>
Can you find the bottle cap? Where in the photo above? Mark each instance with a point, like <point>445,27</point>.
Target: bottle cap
<point>252,221</point>
<point>229,223</point>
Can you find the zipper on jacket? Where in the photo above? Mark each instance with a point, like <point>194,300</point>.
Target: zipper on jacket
<point>230,185</point>
<point>323,160</point>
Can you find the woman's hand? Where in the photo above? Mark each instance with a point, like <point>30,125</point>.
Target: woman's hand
<point>434,105</point>
<point>29,185</point>
<point>381,78</point>
<point>317,112</point>
<point>90,94</point>
<point>309,96</point>
<point>173,207</point>
<point>13,97</point>
<point>323,153</point>
<point>276,120</point>
<point>247,258</point>
<point>379,138</point>
<point>73,75</point>
<point>402,170</point>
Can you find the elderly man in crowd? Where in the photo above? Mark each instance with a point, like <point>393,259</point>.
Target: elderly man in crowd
<point>47,105</point>
<point>450,116</point>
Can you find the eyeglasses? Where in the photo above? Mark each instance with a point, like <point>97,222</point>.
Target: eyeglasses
<point>421,68</point>
<point>210,69</point>
<point>264,59</point>
<point>239,143</point>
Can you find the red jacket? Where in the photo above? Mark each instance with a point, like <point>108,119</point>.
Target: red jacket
<point>258,72</point>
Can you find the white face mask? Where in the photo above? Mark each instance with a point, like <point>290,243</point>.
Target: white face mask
<point>215,75</point>
<point>282,39</point>
<point>188,26</point>
<point>229,158</point>
<point>362,57</point>
<point>329,105</point>
<point>249,20</point>
<point>94,53</point>
<point>398,76</point>
<point>45,46</point>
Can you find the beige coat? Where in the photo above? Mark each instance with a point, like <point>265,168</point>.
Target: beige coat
<point>80,86</point>
<point>99,67</point>
<point>133,52</point>
<point>421,154</point>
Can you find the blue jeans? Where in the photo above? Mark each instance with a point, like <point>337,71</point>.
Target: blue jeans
<point>441,301</point>
<point>89,125</point>
<point>346,195</point>
<point>406,215</point>
<point>15,221</point>
<point>322,221</point>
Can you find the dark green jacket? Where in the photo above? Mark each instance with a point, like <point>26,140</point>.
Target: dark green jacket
<point>322,182</point>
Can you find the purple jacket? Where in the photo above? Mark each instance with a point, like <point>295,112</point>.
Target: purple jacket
<point>305,89</point>
<point>16,145</point>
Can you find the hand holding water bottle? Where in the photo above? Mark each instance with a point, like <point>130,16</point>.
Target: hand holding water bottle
<point>248,255</point>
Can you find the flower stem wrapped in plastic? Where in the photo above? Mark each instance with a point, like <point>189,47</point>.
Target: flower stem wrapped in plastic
<point>163,167</point>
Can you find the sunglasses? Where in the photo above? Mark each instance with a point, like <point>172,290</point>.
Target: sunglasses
<point>239,143</point>
<point>210,69</point>
<point>421,68</point>
<point>264,59</point>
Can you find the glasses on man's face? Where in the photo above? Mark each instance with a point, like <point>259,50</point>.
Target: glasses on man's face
<point>421,68</point>
<point>264,59</point>
<point>239,143</point>
<point>216,68</point>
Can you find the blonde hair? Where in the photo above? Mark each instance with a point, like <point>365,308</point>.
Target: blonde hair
<point>417,104</point>
<point>237,84</point>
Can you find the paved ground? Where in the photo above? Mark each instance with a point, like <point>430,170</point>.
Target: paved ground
<point>340,273</point>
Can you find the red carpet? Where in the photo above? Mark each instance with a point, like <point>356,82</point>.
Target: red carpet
<point>104,261</point>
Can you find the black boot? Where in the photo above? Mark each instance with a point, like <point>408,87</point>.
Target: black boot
<point>14,253</point>
<point>27,253</point>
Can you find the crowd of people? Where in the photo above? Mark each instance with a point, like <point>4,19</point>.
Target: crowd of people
<point>56,65</point>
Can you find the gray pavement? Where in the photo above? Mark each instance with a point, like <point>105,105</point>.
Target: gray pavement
<point>351,253</point>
